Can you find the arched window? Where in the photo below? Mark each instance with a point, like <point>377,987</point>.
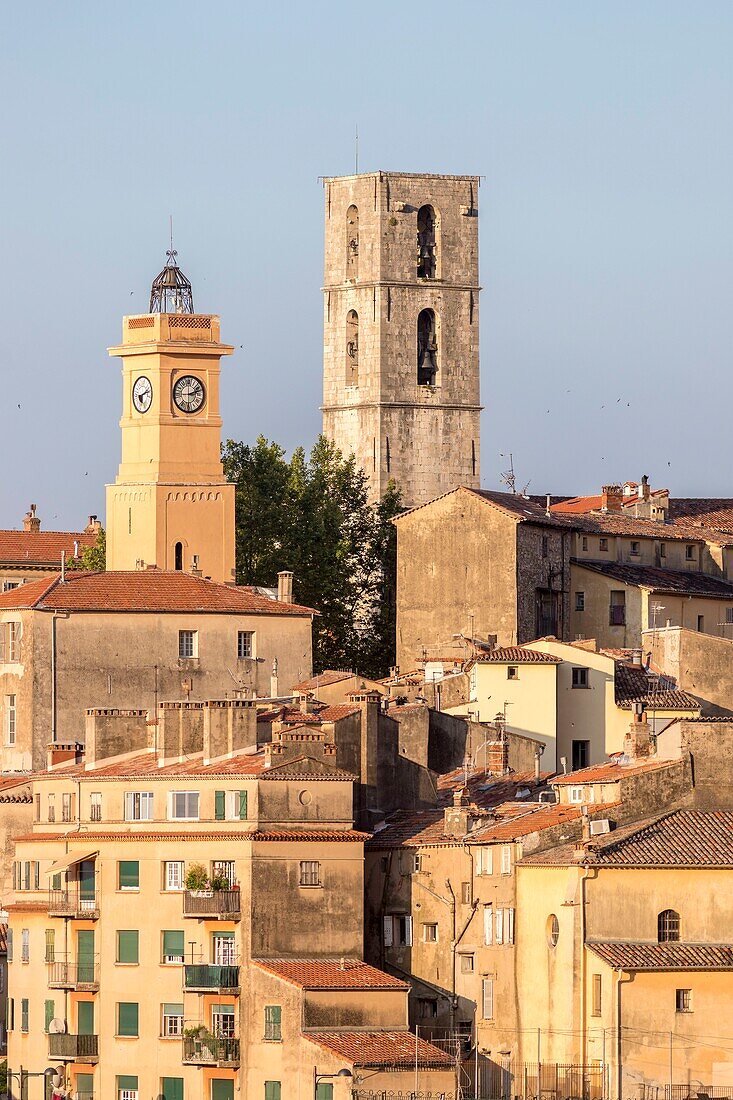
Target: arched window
<point>352,348</point>
<point>178,556</point>
<point>668,926</point>
<point>352,243</point>
<point>427,349</point>
<point>427,243</point>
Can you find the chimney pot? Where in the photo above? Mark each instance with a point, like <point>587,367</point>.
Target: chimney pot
<point>285,586</point>
<point>31,522</point>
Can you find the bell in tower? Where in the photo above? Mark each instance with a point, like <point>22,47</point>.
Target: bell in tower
<point>171,291</point>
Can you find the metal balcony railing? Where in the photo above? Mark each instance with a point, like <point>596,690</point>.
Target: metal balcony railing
<point>71,902</point>
<point>80,974</point>
<point>74,1047</point>
<point>212,905</point>
<point>210,1051</point>
<point>202,978</point>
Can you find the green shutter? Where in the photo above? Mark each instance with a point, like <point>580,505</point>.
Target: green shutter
<point>24,1014</point>
<point>85,1017</point>
<point>222,1090</point>
<point>126,1081</point>
<point>242,805</point>
<point>220,805</point>
<point>50,945</point>
<point>87,881</point>
<point>173,943</point>
<point>85,1084</point>
<point>129,874</point>
<point>49,1011</point>
<point>128,946</point>
<point>127,1018</point>
<point>324,1090</point>
<point>56,881</point>
<point>172,1088</point>
<point>272,1090</point>
<point>173,1009</point>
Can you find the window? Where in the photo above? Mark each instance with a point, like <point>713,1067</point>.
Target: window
<point>427,1008</point>
<point>222,1021</point>
<point>617,609</point>
<point>50,952</point>
<point>95,806</point>
<point>668,926</point>
<point>25,945</point>
<point>430,933</point>
<point>487,998</point>
<point>223,949</point>
<point>36,807</point>
<point>553,930</point>
<point>504,926</point>
<point>663,550</point>
<point>138,806</point>
<point>13,653</point>
<point>466,893</point>
<point>183,806</point>
<point>597,994</point>
<point>24,1014</point>
<point>545,545</point>
<point>488,925</point>
<point>230,805</point>
<point>173,947</point>
<point>52,807</point>
<point>128,874</point>
<point>127,1018</point>
<point>172,1020</point>
<point>416,863</point>
<point>310,872</point>
<point>273,1023</point>
<point>245,644</point>
<point>580,601</point>
<point>584,542</point>
<point>397,930</point>
<point>66,807</point>
<point>575,794</point>
<point>224,869</point>
<point>49,1011</point>
<point>352,242</point>
<point>603,544</point>
<point>272,1091</point>
<point>171,1088</point>
<point>729,615</point>
<point>580,754</point>
<point>512,672</point>
<point>173,871</point>
<point>128,947</point>
<point>484,861</point>
<point>580,677</point>
<point>11,718</point>
<point>689,554</point>
<point>427,249</point>
<point>427,349</point>
<point>635,548</point>
<point>187,644</point>
<point>10,944</point>
<point>351,348</point>
<point>467,964</point>
<point>683,1000</point>
<point>127,1088</point>
<point>701,624</point>
<point>506,859</point>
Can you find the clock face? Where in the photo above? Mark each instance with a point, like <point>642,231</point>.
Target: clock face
<point>189,394</point>
<point>142,394</point>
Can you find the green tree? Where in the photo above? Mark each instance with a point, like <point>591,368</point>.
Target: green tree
<point>261,476</point>
<point>93,557</point>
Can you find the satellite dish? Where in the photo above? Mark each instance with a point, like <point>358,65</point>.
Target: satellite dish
<point>57,1027</point>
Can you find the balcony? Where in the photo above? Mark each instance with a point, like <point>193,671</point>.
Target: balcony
<point>200,978</point>
<point>74,1048</point>
<point>208,1050</point>
<point>70,902</point>
<point>212,905</point>
<point>82,976</point>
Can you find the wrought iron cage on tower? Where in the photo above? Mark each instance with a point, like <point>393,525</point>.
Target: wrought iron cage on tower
<point>171,291</point>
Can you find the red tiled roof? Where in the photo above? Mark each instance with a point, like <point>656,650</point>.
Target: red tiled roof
<point>326,835</point>
<point>316,835</point>
<point>337,712</point>
<point>330,974</point>
<point>613,523</point>
<point>633,684</point>
<point>521,508</point>
<point>41,548</point>
<point>714,512</point>
<point>142,591</point>
<point>577,505</point>
<point>610,772</point>
<point>516,655</point>
<point>665,956</point>
<point>664,581</point>
<point>305,768</point>
<point>381,1048</point>
<point>145,764</point>
<point>486,790</point>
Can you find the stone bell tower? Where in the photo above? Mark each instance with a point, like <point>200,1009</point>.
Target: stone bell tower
<point>401,329</point>
<point>170,505</point>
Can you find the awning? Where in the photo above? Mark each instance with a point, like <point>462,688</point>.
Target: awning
<point>69,861</point>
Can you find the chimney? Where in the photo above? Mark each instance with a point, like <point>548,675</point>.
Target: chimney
<point>93,527</point>
<point>285,586</point>
<point>584,823</point>
<point>497,757</point>
<point>644,490</point>
<point>273,680</point>
<point>612,497</point>
<point>638,740</point>
<point>456,818</point>
<point>31,522</point>
<point>76,548</point>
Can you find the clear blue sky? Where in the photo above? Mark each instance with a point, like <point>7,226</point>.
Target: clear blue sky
<point>604,132</point>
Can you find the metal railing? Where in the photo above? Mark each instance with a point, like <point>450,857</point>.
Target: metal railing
<point>73,1046</point>
<point>73,974</point>
<point>213,905</point>
<point>698,1091</point>
<point>211,1050</point>
<point>199,977</point>
<point>528,1081</point>
<point>70,902</point>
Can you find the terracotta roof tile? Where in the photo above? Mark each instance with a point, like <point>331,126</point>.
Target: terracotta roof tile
<point>613,523</point>
<point>716,512</point>
<point>330,974</point>
<point>153,834</point>
<point>486,790</point>
<point>516,655</point>
<point>665,956</point>
<point>633,684</point>
<point>577,505</point>
<point>143,591</point>
<point>145,764</point>
<point>665,581</point>
<point>381,1048</point>
<point>612,771</point>
<point>41,548</point>
<point>305,768</point>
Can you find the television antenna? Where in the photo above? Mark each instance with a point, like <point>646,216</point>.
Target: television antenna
<point>509,478</point>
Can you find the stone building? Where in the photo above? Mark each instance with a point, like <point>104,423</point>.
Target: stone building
<point>401,329</point>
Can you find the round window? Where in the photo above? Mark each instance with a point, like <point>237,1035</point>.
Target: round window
<point>305,798</point>
<point>553,930</point>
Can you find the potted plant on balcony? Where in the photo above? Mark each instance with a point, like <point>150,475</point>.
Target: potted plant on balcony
<point>204,1043</point>
<point>197,881</point>
<point>220,881</point>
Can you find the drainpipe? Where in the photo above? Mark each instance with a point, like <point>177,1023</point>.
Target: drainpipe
<point>619,1036</point>
<point>582,1017</point>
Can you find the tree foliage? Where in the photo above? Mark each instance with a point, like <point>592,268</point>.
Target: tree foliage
<point>311,515</point>
<point>93,557</point>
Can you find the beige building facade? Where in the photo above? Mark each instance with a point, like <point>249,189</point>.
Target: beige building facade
<point>401,329</point>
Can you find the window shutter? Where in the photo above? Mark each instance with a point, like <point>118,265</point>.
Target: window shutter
<point>36,875</point>
<point>506,860</point>
<point>11,1014</point>
<point>10,944</point>
<point>49,1011</point>
<point>324,1090</point>
<point>499,925</point>
<point>388,934</point>
<point>24,1014</point>
<point>50,945</point>
<point>272,1091</point>
<point>126,1081</point>
<point>128,946</point>
<point>85,1084</point>
<point>488,998</point>
<point>172,1088</point>
<point>2,643</point>
<point>224,1090</point>
<point>15,876</point>
<point>510,929</point>
<point>408,931</point>
<point>488,925</point>
<point>173,943</point>
<point>242,805</point>
<point>129,874</point>
<point>219,805</point>
<point>127,1018</point>
<point>172,1009</point>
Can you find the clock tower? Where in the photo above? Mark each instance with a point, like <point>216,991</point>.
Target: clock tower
<point>170,505</point>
